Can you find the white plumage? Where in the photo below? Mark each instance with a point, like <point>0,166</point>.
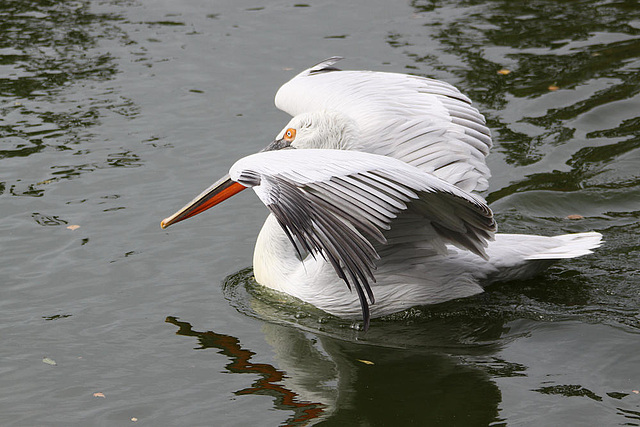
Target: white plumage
<point>374,183</point>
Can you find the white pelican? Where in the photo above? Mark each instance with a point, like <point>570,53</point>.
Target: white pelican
<point>374,182</point>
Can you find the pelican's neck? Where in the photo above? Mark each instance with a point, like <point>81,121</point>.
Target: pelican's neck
<point>274,257</point>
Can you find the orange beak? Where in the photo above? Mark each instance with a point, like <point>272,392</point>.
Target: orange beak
<point>221,190</point>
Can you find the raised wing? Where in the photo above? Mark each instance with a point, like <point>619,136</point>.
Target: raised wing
<point>424,122</point>
<point>337,203</point>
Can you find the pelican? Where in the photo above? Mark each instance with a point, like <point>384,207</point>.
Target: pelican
<point>376,182</point>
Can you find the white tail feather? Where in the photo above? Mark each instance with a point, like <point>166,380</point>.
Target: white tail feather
<point>570,246</point>
<point>520,256</point>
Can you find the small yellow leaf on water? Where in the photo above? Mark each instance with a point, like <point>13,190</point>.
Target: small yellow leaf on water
<point>98,394</point>
<point>575,216</point>
<point>49,361</point>
<point>73,227</point>
<point>366,362</point>
<point>553,87</point>
<point>635,391</point>
<point>134,419</point>
<point>504,71</point>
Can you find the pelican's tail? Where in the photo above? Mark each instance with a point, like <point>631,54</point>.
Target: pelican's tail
<point>520,256</point>
<point>569,246</point>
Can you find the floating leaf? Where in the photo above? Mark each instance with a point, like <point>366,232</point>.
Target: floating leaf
<point>73,227</point>
<point>49,361</point>
<point>366,362</point>
<point>504,71</point>
<point>575,216</point>
<point>98,394</point>
<point>134,419</point>
<point>553,88</point>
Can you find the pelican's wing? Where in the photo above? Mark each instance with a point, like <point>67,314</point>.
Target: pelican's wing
<point>337,203</point>
<point>424,122</point>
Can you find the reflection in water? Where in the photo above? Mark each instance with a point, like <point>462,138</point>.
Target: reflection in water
<point>439,355</point>
<point>270,378</point>
<point>327,380</point>
<point>47,48</point>
<point>570,391</point>
<point>47,220</point>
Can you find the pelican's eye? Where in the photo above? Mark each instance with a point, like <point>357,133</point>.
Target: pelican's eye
<point>290,135</point>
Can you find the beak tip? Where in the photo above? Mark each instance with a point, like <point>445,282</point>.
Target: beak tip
<point>219,191</point>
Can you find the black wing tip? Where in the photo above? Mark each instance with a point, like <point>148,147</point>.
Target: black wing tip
<point>367,323</point>
<point>364,304</point>
<point>366,318</point>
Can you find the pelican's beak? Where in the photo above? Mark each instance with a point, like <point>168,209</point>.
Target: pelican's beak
<point>221,190</point>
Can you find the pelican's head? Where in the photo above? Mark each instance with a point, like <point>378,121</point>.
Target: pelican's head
<point>317,129</point>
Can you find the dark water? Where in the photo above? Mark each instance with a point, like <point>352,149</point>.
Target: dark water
<point>115,113</point>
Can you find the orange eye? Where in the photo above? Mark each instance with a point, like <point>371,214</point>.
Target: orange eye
<point>290,135</point>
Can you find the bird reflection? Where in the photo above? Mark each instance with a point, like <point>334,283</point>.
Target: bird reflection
<point>324,379</point>
<point>270,379</point>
